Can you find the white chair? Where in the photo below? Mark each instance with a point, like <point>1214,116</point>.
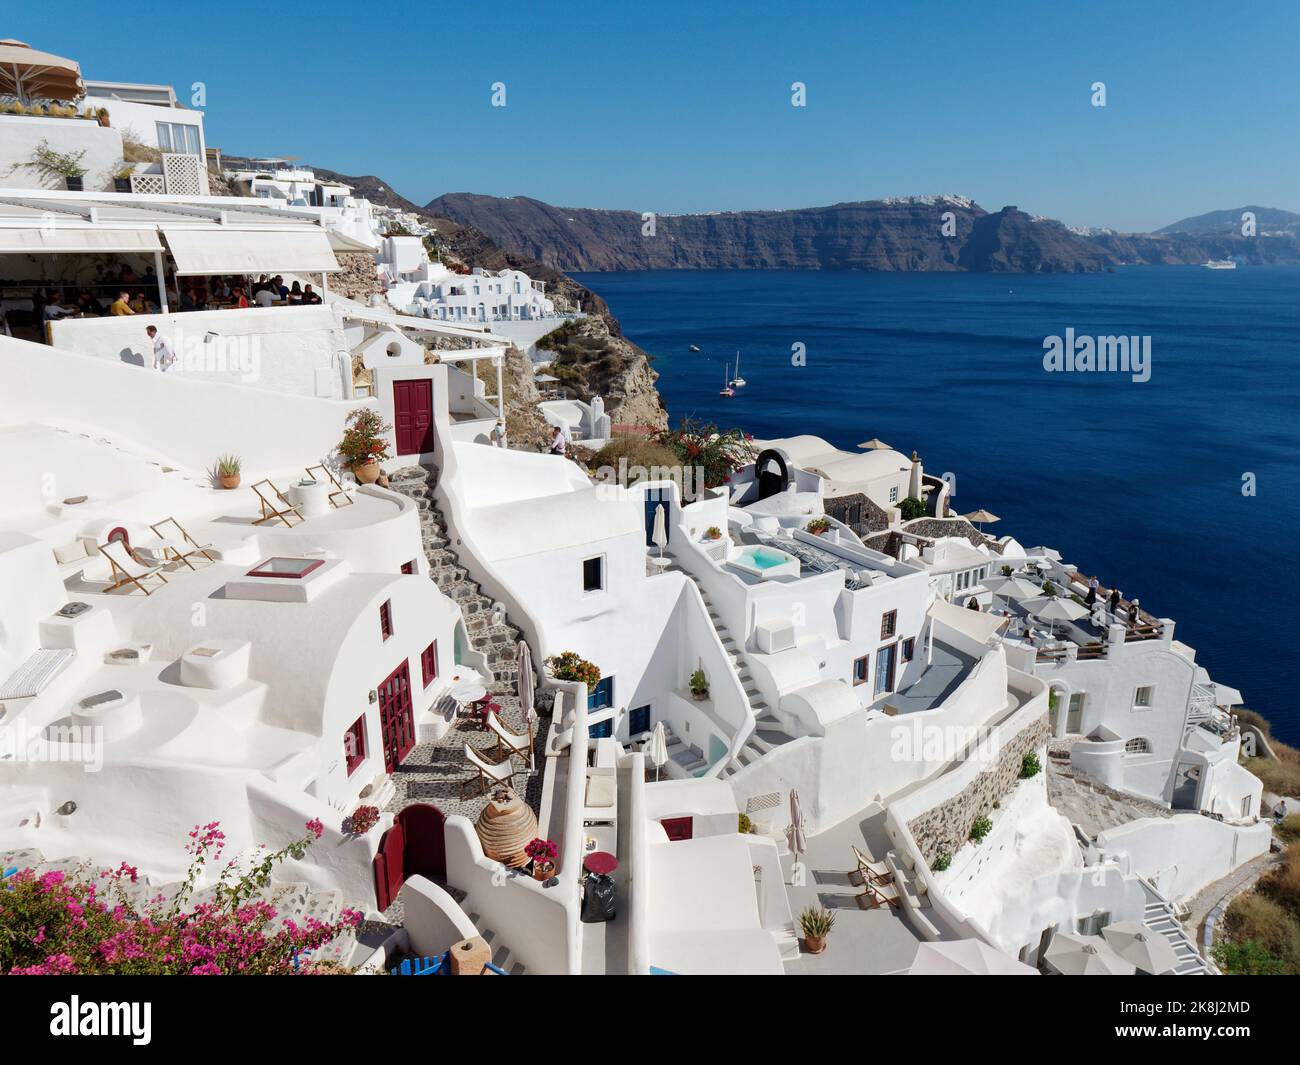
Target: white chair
<point>487,772</point>
<point>508,741</point>
<point>126,569</point>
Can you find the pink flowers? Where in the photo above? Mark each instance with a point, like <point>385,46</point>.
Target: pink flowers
<point>542,851</point>
<point>316,827</point>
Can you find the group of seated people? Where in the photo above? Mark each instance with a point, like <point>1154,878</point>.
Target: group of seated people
<point>240,292</point>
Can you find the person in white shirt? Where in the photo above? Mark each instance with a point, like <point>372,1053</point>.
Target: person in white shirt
<point>265,297</point>
<point>498,435</point>
<point>557,442</point>
<point>163,355</point>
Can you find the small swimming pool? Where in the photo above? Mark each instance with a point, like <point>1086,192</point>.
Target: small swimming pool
<point>764,562</point>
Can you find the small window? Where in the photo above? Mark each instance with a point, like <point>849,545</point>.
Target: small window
<point>888,624</point>
<point>893,494</point>
<point>1144,697</point>
<point>408,567</point>
<point>860,669</point>
<point>386,618</point>
<point>1077,699</point>
<point>354,744</point>
<point>638,720</point>
<point>429,663</point>
<point>909,647</point>
<point>1138,745</point>
<point>593,574</point>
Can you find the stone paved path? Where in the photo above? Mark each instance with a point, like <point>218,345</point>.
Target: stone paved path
<point>1093,806</point>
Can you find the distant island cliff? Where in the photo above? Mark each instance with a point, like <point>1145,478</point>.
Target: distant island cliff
<point>915,233</point>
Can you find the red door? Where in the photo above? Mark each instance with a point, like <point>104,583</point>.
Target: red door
<point>678,827</point>
<point>390,871</point>
<point>413,411</point>
<point>396,717</point>
<point>426,852</point>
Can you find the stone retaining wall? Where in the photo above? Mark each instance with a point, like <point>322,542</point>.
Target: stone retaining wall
<point>945,828</point>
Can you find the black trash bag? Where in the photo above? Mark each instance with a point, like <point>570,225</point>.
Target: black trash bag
<point>598,898</point>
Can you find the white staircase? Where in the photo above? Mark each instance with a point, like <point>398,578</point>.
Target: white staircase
<point>1161,919</point>
<point>767,730</point>
<point>501,956</point>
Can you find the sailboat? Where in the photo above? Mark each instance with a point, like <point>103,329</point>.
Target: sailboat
<point>694,348</point>
<point>727,390</point>
<point>737,381</point>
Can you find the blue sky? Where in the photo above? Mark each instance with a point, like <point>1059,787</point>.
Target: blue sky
<point>677,107</point>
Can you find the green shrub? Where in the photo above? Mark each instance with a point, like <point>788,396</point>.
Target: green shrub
<point>911,507</point>
<point>941,862</point>
<point>981,828</point>
<point>1289,829</point>
<point>1030,766</point>
<point>633,458</point>
<point>1246,959</point>
<point>1261,920</point>
<point>569,665</point>
<point>745,825</point>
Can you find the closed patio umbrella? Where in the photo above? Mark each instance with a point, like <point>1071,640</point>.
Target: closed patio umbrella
<point>1151,952</point>
<point>658,747</point>
<point>524,686</point>
<point>659,534</point>
<point>32,75</point>
<point>1072,955</point>
<point>965,957</point>
<point>795,834</point>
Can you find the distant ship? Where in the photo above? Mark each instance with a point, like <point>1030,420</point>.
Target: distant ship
<point>1219,264</point>
<point>726,389</point>
<point>737,381</point>
<point>694,348</point>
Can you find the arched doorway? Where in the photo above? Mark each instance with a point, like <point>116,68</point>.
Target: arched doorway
<point>414,846</point>
<point>772,473</point>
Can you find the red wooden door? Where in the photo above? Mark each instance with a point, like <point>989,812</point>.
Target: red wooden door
<point>396,717</point>
<point>678,827</point>
<point>413,416</point>
<point>390,870</point>
<point>426,851</point>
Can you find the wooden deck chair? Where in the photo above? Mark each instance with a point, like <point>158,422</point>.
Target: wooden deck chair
<point>508,743</point>
<point>878,895</point>
<point>489,773</point>
<point>278,506</point>
<point>869,870</point>
<point>339,490</point>
<point>126,570</point>
<point>177,529</point>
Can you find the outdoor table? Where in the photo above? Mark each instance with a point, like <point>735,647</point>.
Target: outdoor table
<point>600,863</point>
<point>312,498</point>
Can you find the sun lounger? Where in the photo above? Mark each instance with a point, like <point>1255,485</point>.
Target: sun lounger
<point>278,506</point>
<point>340,492</point>
<point>175,530</point>
<point>869,870</point>
<point>508,742</point>
<point>125,568</point>
<point>877,895</point>
<point>489,773</point>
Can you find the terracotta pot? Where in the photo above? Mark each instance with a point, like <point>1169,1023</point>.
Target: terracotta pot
<point>699,697</point>
<point>543,872</point>
<point>815,944</point>
<point>231,481</point>
<point>367,472</point>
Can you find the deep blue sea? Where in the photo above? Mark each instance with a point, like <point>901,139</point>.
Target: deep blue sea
<point>1140,483</point>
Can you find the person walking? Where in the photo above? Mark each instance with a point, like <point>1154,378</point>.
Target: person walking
<point>1114,601</point>
<point>1093,585</point>
<point>164,357</point>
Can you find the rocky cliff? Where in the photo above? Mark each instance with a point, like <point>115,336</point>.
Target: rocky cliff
<point>590,360</point>
<point>909,233</point>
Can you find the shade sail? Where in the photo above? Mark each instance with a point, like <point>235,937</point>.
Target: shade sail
<point>55,238</point>
<point>32,75</point>
<point>243,251</point>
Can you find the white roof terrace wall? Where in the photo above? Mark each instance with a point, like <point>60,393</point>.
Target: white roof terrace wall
<point>31,591</point>
<point>299,350</point>
<point>21,135</point>
<point>167,417</point>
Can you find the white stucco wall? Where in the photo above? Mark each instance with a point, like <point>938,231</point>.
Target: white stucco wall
<point>20,135</point>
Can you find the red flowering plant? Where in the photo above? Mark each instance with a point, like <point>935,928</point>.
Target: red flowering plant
<point>95,924</point>
<point>363,819</point>
<point>569,665</point>
<point>716,453</point>
<point>364,438</point>
<point>543,853</point>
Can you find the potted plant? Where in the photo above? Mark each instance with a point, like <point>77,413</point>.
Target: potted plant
<point>363,819</point>
<point>713,533</point>
<point>818,526</point>
<point>364,445</point>
<point>122,177</point>
<point>816,923</point>
<point>569,665</point>
<point>699,685</point>
<point>227,471</point>
<point>55,165</point>
<point>544,854</point>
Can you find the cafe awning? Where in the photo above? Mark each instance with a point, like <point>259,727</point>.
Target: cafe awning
<point>248,251</point>
<point>59,239</point>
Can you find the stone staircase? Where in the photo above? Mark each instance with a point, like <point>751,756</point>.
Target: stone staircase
<point>767,732</point>
<point>493,635</point>
<point>501,956</point>
<point>1160,917</point>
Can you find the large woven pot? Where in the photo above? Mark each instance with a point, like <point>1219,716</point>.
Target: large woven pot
<point>505,827</point>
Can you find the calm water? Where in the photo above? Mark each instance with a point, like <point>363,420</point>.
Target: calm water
<point>1140,483</point>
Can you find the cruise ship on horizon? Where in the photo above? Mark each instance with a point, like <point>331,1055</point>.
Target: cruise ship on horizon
<point>1220,264</point>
